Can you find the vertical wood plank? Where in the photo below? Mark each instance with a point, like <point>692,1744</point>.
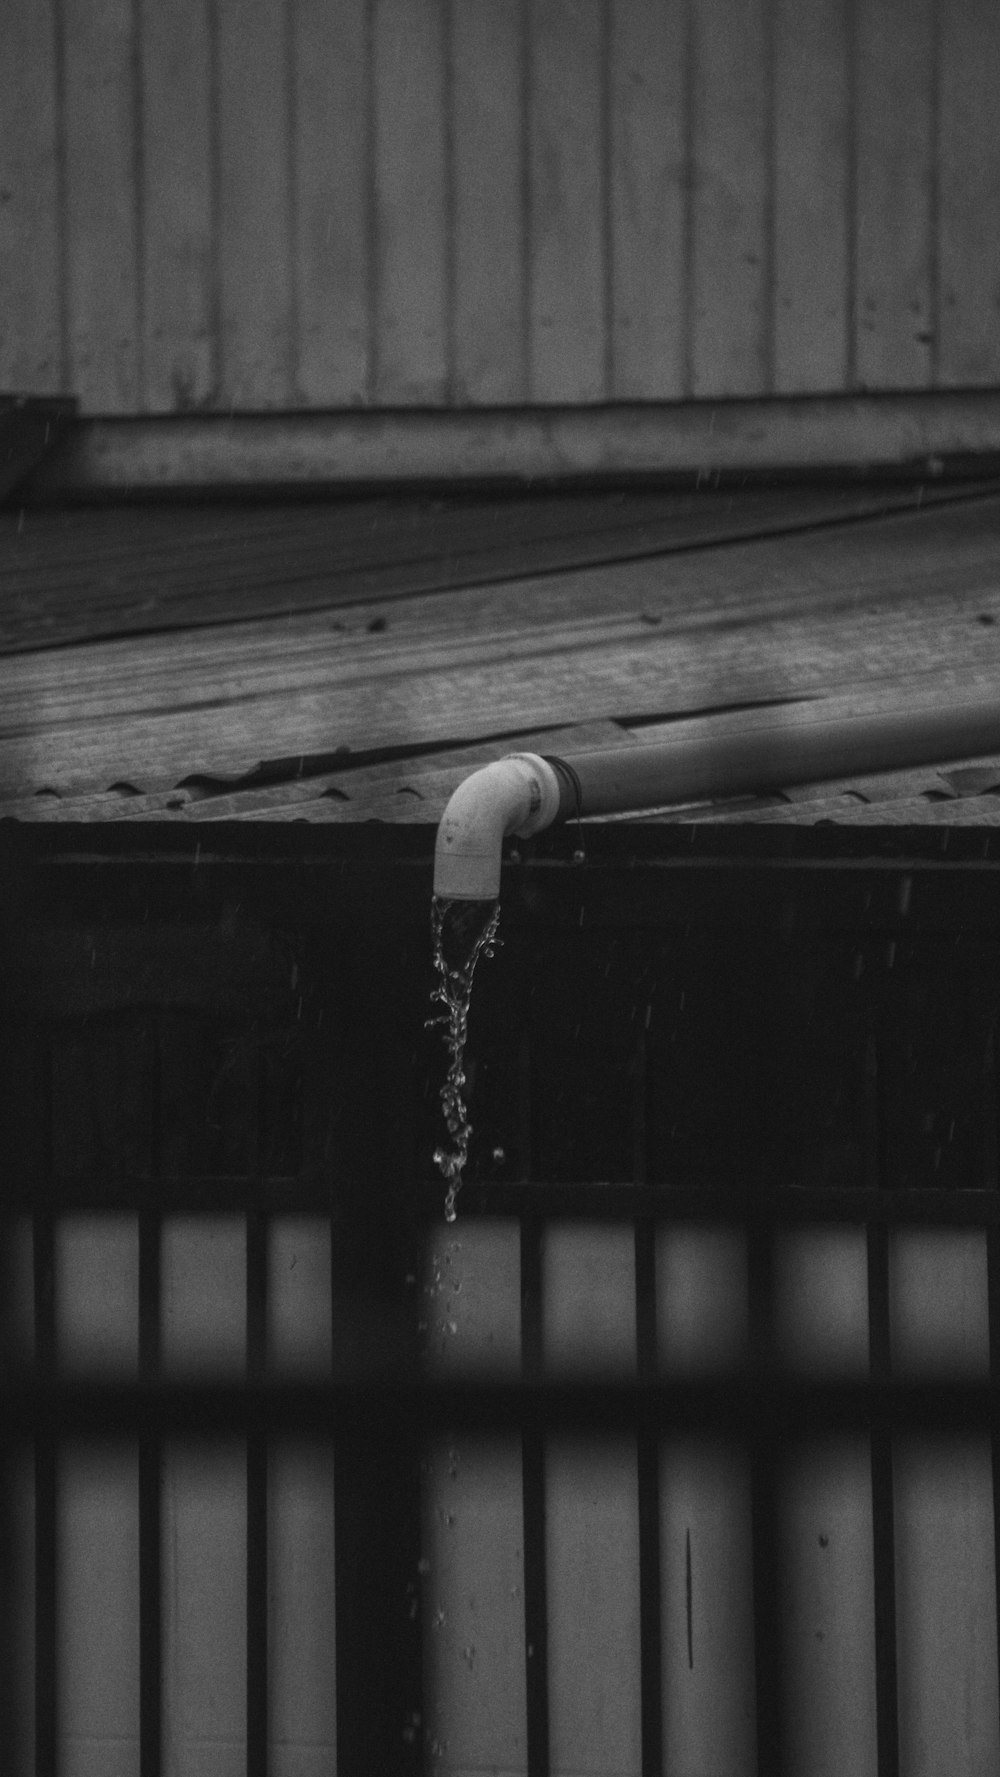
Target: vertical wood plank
<point>592,1525</point>
<point>731,270</point>
<point>177,295</point>
<point>46,1488</point>
<point>303,1629</point>
<point>648,1437</point>
<point>98,1610</point>
<point>204,1592</point>
<point>101,197</point>
<point>812,117</point>
<point>648,175</point>
<point>30,307</point>
<point>969,193</point>
<point>534,1502</point>
<point>332,200</point>
<point>257,1465</point>
<point>473,1608</point>
<point>204,1331</point>
<point>97,1324</point>
<point>894,109</point>
<point>412,202</point>
<point>255,225</point>
<point>488,171</point>
<point>826,1513</point>
<point>945,1570</point>
<point>567,162</point>
<point>705,1527</point>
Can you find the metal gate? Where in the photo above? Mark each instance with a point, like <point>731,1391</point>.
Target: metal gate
<point>675,1451</point>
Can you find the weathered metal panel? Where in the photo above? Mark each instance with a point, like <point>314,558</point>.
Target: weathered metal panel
<point>103,172</point>
<point>424,203</point>
<point>648,199</point>
<point>411,298</point>
<point>968,174</point>
<point>31,346</point>
<point>489,168</point>
<point>732,267</point>
<point>333,172</point>
<point>810,298</point>
<point>567,201</point>
<point>895,302</point>
<point>255,227</point>
<point>180,331</point>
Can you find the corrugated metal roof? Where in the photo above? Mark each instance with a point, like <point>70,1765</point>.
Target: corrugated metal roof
<point>348,660</point>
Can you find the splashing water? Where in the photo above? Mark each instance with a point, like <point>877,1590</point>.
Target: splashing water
<point>462,931</point>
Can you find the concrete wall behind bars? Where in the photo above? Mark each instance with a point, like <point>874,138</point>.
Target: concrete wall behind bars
<point>263,204</point>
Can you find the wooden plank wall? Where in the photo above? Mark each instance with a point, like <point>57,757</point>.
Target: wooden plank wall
<point>285,204</point>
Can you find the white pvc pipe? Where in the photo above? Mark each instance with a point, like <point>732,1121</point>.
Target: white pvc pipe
<point>798,743</point>
<point>519,794</point>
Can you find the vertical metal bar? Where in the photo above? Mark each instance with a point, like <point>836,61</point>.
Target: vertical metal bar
<point>883,1516</point>
<point>375,1243</point>
<point>46,1576</point>
<point>256,1308</point>
<point>12,1753</point>
<point>535,1578</point>
<point>990,1182</point>
<point>257,1663</point>
<point>536,1621</point>
<point>46,1676</point>
<point>151,1455</point>
<point>764,1476</point>
<point>647,1450</point>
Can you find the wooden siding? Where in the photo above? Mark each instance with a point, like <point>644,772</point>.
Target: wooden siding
<point>275,204</point>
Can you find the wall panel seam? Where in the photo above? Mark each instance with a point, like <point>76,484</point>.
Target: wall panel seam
<point>607,232</point>
<point>851,204</point>
<point>689,181</point>
<point>139,197</point>
<point>62,204</point>
<point>371,209</point>
<point>218,363</point>
<point>294,336</point>
<point>934,200</point>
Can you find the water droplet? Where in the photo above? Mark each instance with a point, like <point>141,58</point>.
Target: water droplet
<point>469,1656</point>
<point>439,1619</point>
<point>450,921</point>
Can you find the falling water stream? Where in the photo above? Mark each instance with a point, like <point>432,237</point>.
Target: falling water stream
<point>462,931</point>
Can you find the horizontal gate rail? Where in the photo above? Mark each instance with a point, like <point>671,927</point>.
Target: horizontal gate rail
<point>750,1404</point>
<point>201,1194</point>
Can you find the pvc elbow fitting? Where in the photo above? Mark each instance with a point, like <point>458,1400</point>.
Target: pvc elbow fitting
<point>519,794</point>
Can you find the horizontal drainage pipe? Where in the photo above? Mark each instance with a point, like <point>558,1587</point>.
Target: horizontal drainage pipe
<point>799,744</point>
